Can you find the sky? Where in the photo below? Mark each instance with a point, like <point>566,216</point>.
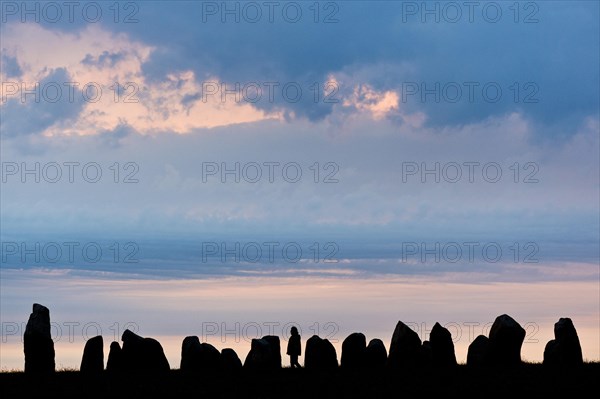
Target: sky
<point>228,169</point>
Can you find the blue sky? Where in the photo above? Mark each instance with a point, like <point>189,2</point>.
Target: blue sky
<point>332,122</point>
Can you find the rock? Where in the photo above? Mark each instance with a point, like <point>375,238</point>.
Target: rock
<point>190,354</point>
<point>375,354</point>
<point>442,347</point>
<point>320,354</point>
<point>273,340</point>
<point>405,349</point>
<point>115,358</point>
<point>230,362</point>
<point>199,357</point>
<point>477,352</point>
<point>259,356</point>
<point>564,350</point>
<point>506,339</point>
<point>265,354</point>
<point>210,357</point>
<point>354,350</point>
<point>154,356</point>
<point>551,353</point>
<point>143,354</point>
<point>37,342</point>
<point>426,353</point>
<point>92,361</point>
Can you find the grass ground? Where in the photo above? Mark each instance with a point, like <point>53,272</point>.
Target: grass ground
<point>528,380</point>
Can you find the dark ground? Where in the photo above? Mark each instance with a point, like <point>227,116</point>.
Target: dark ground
<point>528,380</point>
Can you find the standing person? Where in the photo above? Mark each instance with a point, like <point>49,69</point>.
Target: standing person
<point>294,348</point>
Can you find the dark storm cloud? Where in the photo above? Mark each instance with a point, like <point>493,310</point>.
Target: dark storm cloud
<point>545,68</point>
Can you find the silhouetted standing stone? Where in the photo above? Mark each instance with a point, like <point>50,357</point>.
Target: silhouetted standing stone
<point>319,354</point>
<point>375,354</point>
<point>92,361</point>
<point>506,339</point>
<point>426,353</point>
<point>230,362</point>
<point>564,350</point>
<point>38,344</point>
<point>442,347</point>
<point>273,341</point>
<point>265,354</point>
<point>477,351</point>
<point>143,354</point>
<point>405,349</point>
<point>199,357</point>
<point>190,354</point>
<point>354,349</point>
<point>115,358</point>
<point>210,357</point>
<point>259,355</point>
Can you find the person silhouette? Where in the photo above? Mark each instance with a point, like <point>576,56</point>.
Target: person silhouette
<point>294,348</point>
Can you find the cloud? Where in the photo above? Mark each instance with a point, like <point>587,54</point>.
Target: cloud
<point>10,66</point>
<point>36,108</point>
<point>106,58</point>
<point>352,153</point>
<point>545,192</point>
<point>170,73</point>
<point>364,98</point>
<point>103,84</point>
<point>533,59</point>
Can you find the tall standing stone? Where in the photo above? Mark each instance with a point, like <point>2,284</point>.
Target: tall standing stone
<point>506,339</point>
<point>320,354</point>
<point>273,340</point>
<point>442,347</point>
<point>143,354</point>
<point>38,344</point>
<point>115,358</point>
<point>564,350</point>
<point>477,352</point>
<point>210,359</point>
<point>354,350</point>
<point>405,349</point>
<point>265,354</point>
<point>199,357</point>
<point>375,354</point>
<point>230,362</point>
<point>191,353</point>
<point>92,361</point>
